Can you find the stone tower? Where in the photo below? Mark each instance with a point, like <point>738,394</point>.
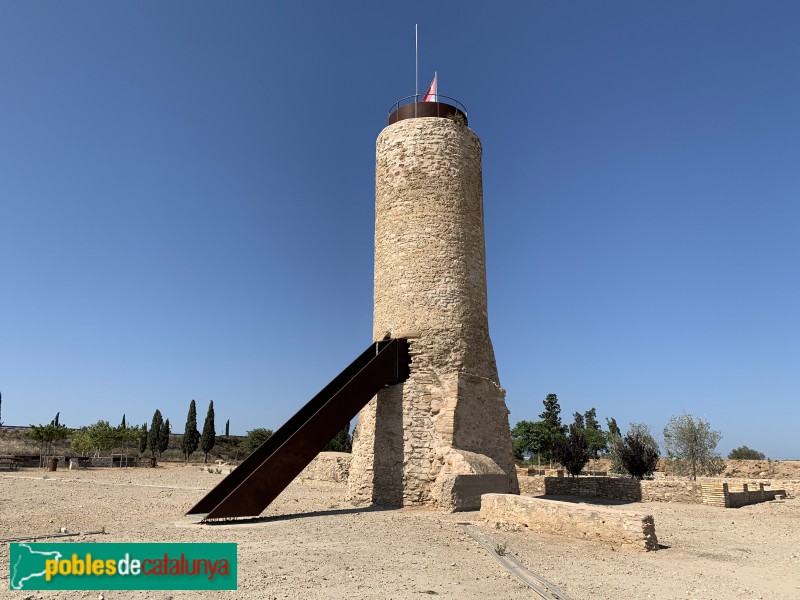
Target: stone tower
<point>442,437</point>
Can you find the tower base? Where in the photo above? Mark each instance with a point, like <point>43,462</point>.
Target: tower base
<point>434,440</point>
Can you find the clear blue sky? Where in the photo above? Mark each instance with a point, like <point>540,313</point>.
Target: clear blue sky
<point>187,203</point>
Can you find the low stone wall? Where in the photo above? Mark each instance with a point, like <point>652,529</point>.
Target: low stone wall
<point>790,486</point>
<point>787,488</point>
<point>671,490</point>
<point>84,461</point>
<point>530,471</point>
<point>619,528</point>
<point>531,485</point>
<point>327,467</point>
<point>27,461</point>
<point>613,488</point>
<point>104,461</point>
<point>548,472</point>
<point>704,491</point>
<point>734,496</point>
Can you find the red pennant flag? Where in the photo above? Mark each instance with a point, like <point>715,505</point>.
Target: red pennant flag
<point>431,95</point>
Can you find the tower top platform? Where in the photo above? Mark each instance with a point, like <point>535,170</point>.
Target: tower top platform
<point>410,107</point>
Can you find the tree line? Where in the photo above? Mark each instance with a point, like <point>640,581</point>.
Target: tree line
<point>101,437</point>
<point>157,439</point>
<point>690,443</point>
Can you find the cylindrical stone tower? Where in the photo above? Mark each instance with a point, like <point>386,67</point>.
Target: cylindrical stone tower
<point>442,437</point>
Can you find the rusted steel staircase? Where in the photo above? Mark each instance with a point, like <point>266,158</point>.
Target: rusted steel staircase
<point>251,486</point>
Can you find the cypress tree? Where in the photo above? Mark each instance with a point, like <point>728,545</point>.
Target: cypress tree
<point>553,429</point>
<point>143,440</point>
<point>613,428</point>
<point>191,437</point>
<point>154,437</point>
<point>227,428</point>
<point>551,415</point>
<point>208,437</point>
<point>163,439</point>
<point>122,425</point>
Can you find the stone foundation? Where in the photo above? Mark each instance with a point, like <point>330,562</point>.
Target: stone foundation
<point>613,488</point>
<point>733,496</point>
<point>712,493</point>
<point>618,528</point>
<point>792,487</point>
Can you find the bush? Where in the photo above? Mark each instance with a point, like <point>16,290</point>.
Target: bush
<point>342,442</point>
<point>713,466</point>
<point>256,437</point>
<point>637,451</point>
<point>745,453</point>
<point>573,451</point>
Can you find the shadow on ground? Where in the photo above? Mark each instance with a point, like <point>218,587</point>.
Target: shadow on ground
<point>587,500</point>
<point>292,516</point>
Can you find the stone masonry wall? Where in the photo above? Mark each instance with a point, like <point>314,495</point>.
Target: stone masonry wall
<point>716,493</point>
<point>327,467</point>
<point>449,419</point>
<point>736,496</point>
<point>613,488</point>
<point>751,494</point>
<point>612,526</point>
<point>792,487</point>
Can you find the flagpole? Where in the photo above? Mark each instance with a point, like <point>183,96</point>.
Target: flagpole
<point>416,67</point>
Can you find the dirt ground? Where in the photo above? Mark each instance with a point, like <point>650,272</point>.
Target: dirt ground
<point>312,544</point>
<point>783,469</point>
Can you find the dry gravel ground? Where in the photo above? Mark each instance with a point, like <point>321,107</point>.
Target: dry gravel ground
<point>312,544</point>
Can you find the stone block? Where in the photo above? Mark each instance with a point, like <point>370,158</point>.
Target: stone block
<point>464,492</point>
<point>618,528</point>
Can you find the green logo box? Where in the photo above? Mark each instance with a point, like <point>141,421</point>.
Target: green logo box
<point>116,566</point>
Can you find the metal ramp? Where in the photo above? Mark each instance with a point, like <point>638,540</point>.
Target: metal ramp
<point>251,486</point>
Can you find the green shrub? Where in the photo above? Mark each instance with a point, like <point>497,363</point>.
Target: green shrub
<point>745,453</point>
<point>256,437</point>
<point>637,451</point>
